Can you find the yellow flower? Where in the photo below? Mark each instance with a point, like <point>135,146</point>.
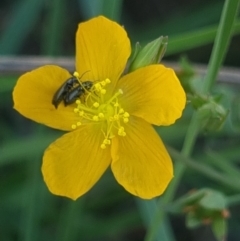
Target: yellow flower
<point>110,124</point>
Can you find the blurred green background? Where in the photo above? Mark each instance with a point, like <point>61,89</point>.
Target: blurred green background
<point>28,212</point>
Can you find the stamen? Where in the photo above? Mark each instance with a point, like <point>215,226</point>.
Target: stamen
<point>101,115</point>
<point>81,113</point>
<point>96,109</point>
<point>96,104</point>
<point>103,146</point>
<point>107,142</point>
<point>76,74</point>
<point>121,111</point>
<point>103,83</point>
<point>98,87</point>
<point>103,91</point>
<point>108,81</point>
<point>95,118</point>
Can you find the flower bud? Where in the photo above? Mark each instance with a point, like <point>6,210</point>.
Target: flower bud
<point>152,53</point>
<point>212,116</point>
<point>204,207</point>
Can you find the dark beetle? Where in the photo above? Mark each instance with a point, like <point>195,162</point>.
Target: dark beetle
<point>70,90</point>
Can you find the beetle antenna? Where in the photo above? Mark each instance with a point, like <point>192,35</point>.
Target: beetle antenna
<point>79,79</point>
<point>83,74</point>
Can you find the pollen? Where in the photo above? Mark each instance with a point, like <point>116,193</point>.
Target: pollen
<point>96,104</point>
<point>101,115</point>
<point>103,91</point>
<point>96,108</point>
<point>95,118</point>
<point>76,74</point>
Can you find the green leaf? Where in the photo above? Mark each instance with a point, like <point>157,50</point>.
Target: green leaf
<point>188,199</point>
<point>55,28</point>
<point>219,228</point>
<point>221,43</point>
<point>108,8</point>
<point>213,200</point>
<point>112,9</point>
<point>7,83</point>
<point>25,148</point>
<point>196,38</point>
<point>193,221</point>
<point>24,17</point>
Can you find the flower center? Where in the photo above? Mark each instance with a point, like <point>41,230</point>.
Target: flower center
<point>96,108</point>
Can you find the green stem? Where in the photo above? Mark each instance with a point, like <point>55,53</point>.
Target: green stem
<point>223,164</point>
<point>221,43</point>
<point>32,198</point>
<point>54,28</point>
<point>112,9</point>
<point>220,46</point>
<point>233,200</point>
<point>230,9</point>
<point>147,208</point>
<point>30,216</point>
<point>206,170</point>
<point>69,217</point>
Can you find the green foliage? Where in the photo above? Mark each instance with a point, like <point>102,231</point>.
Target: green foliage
<point>204,207</point>
<point>24,18</point>
<point>209,161</point>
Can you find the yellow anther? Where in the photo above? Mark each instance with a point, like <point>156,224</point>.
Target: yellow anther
<point>98,87</point>
<point>103,91</point>
<point>120,132</point>
<point>96,104</point>
<point>116,117</point>
<point>120,91</point>
<point>76,74</point>
<point>103,146</point>
<point>121,128</point>
<point>106,141</point>
<point>95,118</point>
<point>101,115</point>
<point>97,108</point>
<point>121,111</point>
<point>103,83</point>
<point>81,113</point>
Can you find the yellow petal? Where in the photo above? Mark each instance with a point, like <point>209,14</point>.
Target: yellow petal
<point>141,163</point>
<point>33,96</point>
<point>102,48</point>
<point>75,162</point>
<point>153,93</point>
